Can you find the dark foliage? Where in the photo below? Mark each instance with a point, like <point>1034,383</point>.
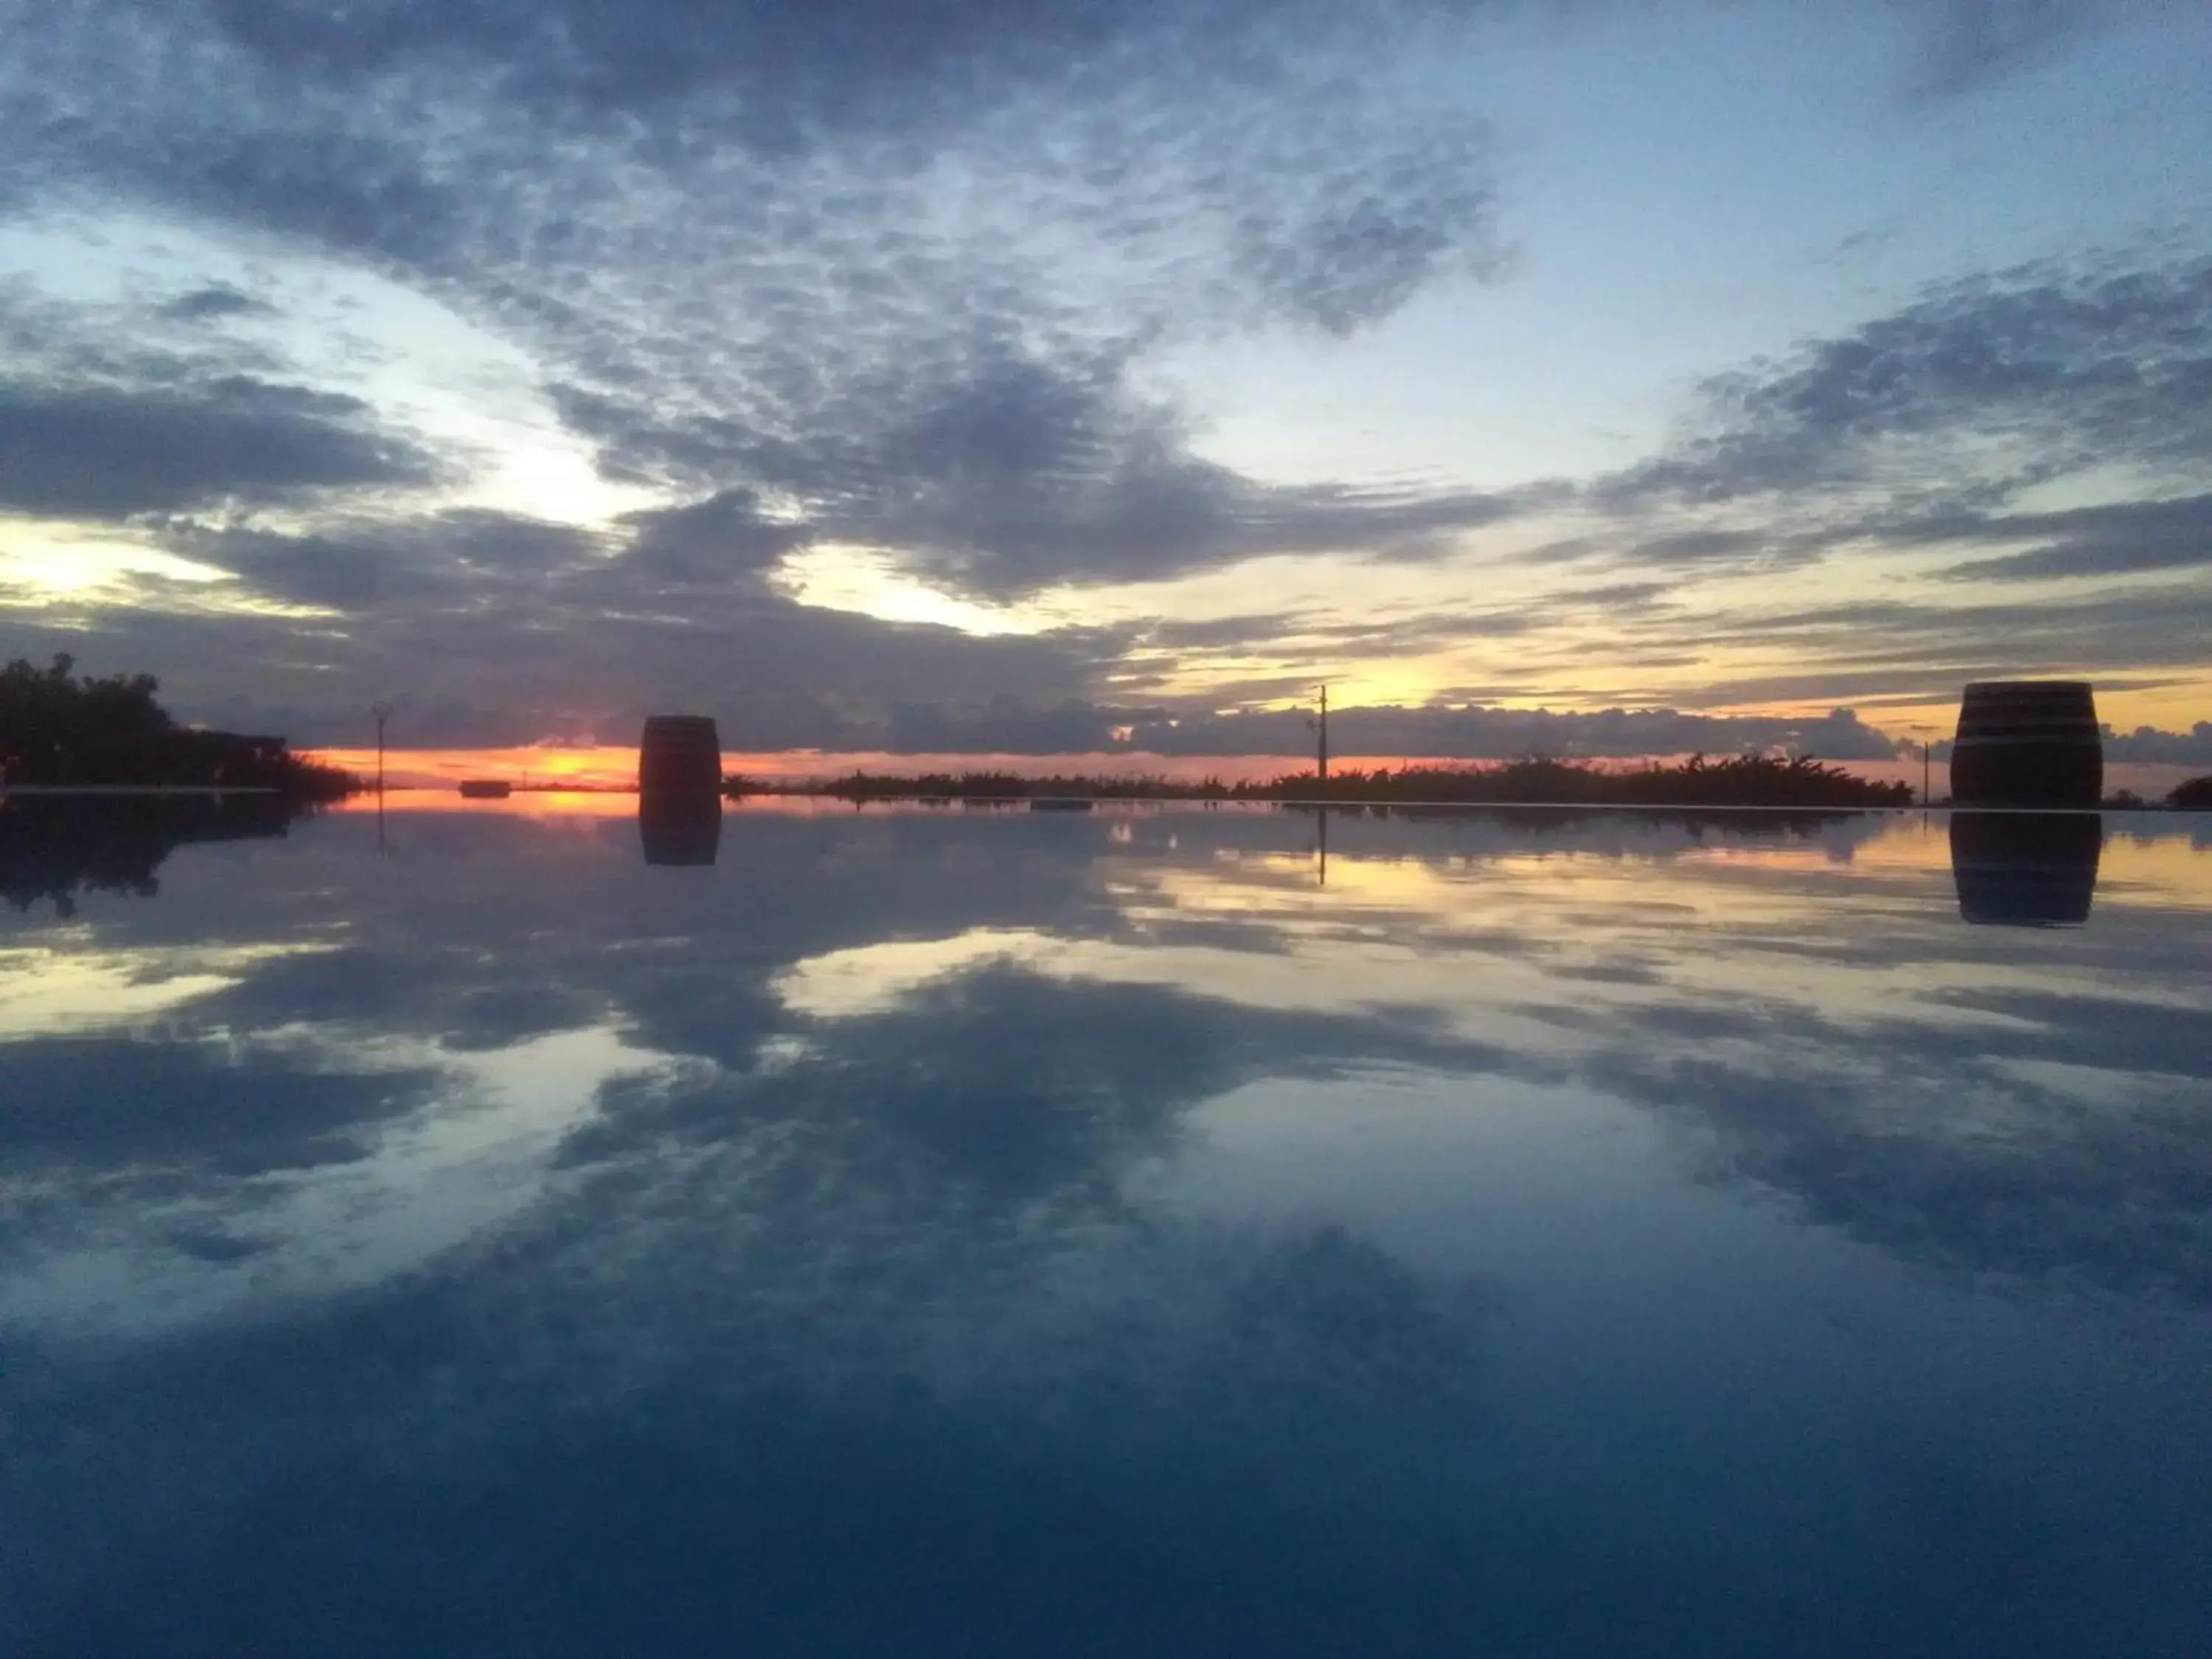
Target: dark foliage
<point>59,729</point>
<point>57,848</point>
<point>2194,796</point>
<point>1739,780</point>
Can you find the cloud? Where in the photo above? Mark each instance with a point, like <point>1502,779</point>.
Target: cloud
<point>1478,733</point>
<point>591,634</point>
<point>2147,744</point>
<point>1989,383</point>
<point>717,541</point>
<point>904,277</point>
<point>459,558</point>
<point>1001,472</point>
<point>213,303</point>
<point>111,409</point>
<point>110,452</point>
<point>892,270</point>
<point>1322,636</point>
<point>491,628</point>
<point>874,65</point>
<point>1972,42</point>
<point>1441,732</point>
<point>1928,650</point>
<point>2119,538</point>
<point>1943,428</point>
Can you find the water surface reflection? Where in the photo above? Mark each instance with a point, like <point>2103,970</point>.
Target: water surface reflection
<point>2026,869</point>
<point>680,829</point>
<point>933,1232</point>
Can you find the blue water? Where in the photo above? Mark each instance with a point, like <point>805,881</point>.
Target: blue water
<point>978,1233</point>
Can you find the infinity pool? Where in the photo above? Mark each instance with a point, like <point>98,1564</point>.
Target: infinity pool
<point>1120,1232</point>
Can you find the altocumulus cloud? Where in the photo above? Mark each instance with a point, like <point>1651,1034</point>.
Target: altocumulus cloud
<point>1975,388</point>
<point>1923,433</point>
<point>892,265</point>
<point>889,265</point>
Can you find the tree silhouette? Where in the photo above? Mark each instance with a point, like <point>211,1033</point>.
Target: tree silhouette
<point>60,728</point>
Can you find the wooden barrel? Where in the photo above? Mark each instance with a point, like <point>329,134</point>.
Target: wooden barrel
<point>679,828</point>
<point>2026,869</point>
<point>680,755</point>
<point>2027,743</point>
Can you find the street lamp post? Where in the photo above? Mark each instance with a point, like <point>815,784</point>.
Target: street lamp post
<point>1320,727</point>
<point>379,712</point>
<point>1925,735</point>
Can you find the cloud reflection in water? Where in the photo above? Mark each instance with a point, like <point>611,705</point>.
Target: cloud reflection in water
<point>965,1230</point>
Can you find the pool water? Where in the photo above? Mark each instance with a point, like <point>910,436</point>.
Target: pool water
<point>1133,1231</point>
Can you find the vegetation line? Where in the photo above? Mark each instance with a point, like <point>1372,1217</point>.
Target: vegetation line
<point>1738,780</point>
<point>62,731</point>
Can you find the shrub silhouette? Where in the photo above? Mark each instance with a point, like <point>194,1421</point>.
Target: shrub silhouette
<point>58,728</point>
<point>1738,780</point>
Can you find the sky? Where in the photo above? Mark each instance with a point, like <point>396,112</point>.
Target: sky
<point>1060,376</point>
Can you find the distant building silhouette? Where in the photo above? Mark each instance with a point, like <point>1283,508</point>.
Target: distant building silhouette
<point>2027,743</point>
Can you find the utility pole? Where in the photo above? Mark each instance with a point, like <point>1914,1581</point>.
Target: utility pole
<point>1323,731</point>
<point>1926,734</point>
<point>379,712</point>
